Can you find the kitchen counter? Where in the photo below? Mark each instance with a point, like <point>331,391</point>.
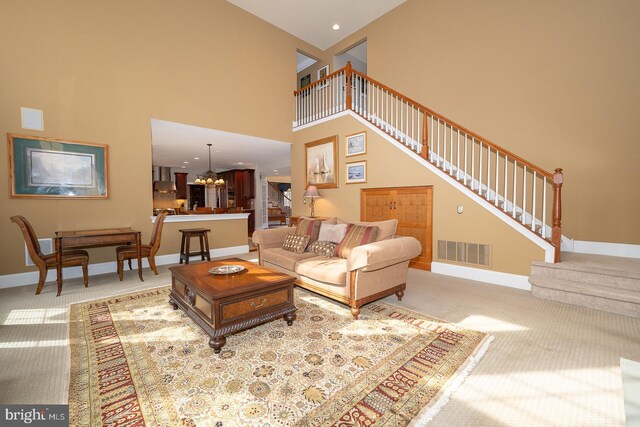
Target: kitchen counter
<point>203,217</point>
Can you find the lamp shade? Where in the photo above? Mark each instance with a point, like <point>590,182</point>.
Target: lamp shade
<point>312,191</point>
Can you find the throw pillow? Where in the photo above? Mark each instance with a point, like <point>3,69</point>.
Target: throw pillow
<point>332,232</point>
<point>356,235</point>
<point>323,248</point>
<point>295,243</point>
<point>309,227</point>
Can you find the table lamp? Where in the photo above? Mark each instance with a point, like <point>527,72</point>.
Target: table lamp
<point>312,192</point>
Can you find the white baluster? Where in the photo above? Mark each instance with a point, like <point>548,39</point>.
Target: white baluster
<point>533,210</point>
<point>438,133</point>
<point>486,196</point>
<point>458,157</point>
<point>473,160</point>
<point>524,193</point>
<point>465,158</point>
<point>451,150</point>
<point>506,174</point>
<point>480,171</point>
<point>515,185</point>
<point>444,147</point>
<point>497,176</point>
<point>431,141</point>
<point>543,225</point>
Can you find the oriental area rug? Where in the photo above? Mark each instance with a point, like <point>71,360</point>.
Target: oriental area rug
<point>135,361</point>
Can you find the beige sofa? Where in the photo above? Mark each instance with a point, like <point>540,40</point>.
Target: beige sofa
<point>370,272</point>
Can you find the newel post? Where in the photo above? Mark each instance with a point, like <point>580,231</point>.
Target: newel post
<point>348,89</point>
<point>556,227</point>
<point>425,138</point>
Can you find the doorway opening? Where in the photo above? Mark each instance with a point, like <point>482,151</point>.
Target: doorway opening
<point>357,54</point>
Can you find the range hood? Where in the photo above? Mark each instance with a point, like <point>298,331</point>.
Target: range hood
<point>164,184</point>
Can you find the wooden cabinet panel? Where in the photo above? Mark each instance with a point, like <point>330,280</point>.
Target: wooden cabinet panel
<point>411,206</point>
<point>378,203</point>
<point>181,185</point>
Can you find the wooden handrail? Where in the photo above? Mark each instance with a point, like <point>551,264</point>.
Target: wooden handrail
<point>277,189</point>
<point>456,125</point>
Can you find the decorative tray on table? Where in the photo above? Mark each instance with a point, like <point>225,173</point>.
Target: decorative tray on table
<point>226,269</point>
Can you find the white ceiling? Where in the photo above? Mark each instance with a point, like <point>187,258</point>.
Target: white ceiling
<point>312,20</point>
<point>176,143</point>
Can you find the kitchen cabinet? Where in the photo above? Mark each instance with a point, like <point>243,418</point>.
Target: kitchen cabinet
<point>181,185</point>
<point>239,187</point>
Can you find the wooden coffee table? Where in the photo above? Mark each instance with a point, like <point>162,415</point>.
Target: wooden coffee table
<point>225,304</point>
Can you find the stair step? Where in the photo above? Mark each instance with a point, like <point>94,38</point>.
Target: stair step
<point>602,282</point>
<point>626,308</point>
<point>614,272</point>
<point>590,289</point>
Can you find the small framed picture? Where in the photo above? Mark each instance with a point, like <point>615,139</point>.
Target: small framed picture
<point>356,144</point>
<point>322,73</point>
<point>305,81</point>
<point>356,172</point>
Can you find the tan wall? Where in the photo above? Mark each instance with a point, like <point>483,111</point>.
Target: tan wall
<point>387,166</point>
<point>102,70</point>
<point>555,82</point>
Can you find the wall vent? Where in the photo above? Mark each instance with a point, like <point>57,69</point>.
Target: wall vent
<point>46,247</point>
<point>463,252</point>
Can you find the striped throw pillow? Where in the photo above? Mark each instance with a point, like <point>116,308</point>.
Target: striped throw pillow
<point>309,227</point>
<point>356,235</point>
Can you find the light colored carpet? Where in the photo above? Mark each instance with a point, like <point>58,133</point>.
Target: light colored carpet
<point>550,363</point>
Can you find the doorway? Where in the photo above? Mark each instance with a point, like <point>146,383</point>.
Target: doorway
<point>357,54</point>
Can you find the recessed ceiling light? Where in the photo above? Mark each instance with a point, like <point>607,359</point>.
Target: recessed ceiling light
<point>183,167</point>
<point>239,163</point>
<point>336,27</point>
<point>196,158</point>
<point>186,163</point>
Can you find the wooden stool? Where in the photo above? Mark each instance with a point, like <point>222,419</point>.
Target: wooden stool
<point>187,234</point>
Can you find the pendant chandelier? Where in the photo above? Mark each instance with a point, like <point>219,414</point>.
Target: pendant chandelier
<point>209,177</point>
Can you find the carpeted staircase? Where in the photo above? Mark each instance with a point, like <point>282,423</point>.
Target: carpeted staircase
<point>605,283</point>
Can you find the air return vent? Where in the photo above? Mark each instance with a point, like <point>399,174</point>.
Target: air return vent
<point>467,253</point>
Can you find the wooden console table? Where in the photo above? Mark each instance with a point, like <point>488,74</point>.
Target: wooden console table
<point>92,239</point>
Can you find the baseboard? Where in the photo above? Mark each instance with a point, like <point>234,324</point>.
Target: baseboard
<point>488,276</point>
<point>602,248</point>
<point>31,277</point>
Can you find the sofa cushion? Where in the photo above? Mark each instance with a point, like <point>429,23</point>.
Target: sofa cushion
<point>284,259</point>
<point>323,248</point>
<point>295,243</point>
<point>332,232</point>
<point>356,235</point>
<point>387,228</point>
<point>328,270</point>
<point>309,227</point>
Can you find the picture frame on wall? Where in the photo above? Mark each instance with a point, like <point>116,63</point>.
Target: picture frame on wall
<point>305,81</point>
<point>321,160</point>
<point>56,168</point>
<point>322,73</point>
<point>356,144</point>
<point>356,172</point>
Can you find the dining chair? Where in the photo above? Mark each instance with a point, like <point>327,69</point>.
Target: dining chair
<point>44,262</point>
<point>147,251</point>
